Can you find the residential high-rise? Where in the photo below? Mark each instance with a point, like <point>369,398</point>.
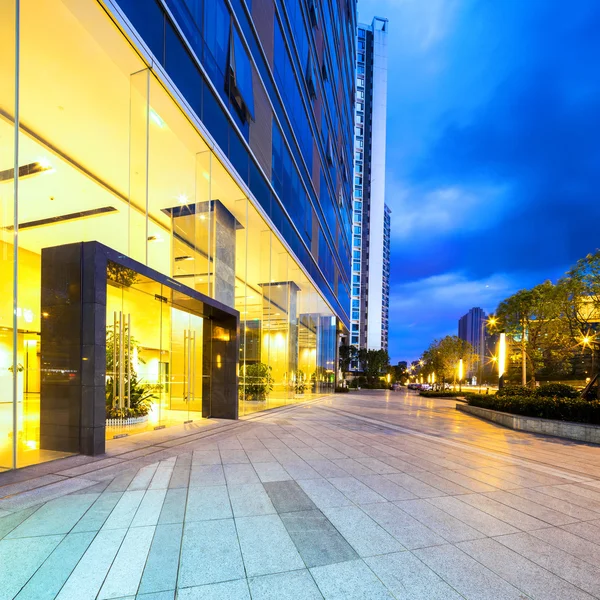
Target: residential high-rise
<point>471,328</point>
<point>175,212</point>
<point>370,247</point>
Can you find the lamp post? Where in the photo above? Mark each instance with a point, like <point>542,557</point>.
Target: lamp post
<point>460,374</point>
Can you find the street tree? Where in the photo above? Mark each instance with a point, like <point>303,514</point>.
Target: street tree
<point>374,363</point>
<point>347,355</point>
<point>443,357</point>
<point>534,323</point>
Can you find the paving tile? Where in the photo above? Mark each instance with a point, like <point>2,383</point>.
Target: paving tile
<point>549,516</point>
<point>87,577</point>
<point>160,572</point>
<point>555,560</point>
<point>351,580</point>
<point>173,508</point>
<point>323,493</point>
<point>20,558</point>
<point>240,474</point>
<point>266,546</point>
<point>143,478</point>
<point>294,585</point>
<point>407,530</point>
<point>467,576</point>
<point>125,510</point>
<point>407,577</point>
<point>439,521</point>
<point>97,514</point>
<point>260,456</point>
<point>474,485</point>
<point>250,500</point>
<point>505,513</point>
<point>475,518</point>
<point>316,539</point>
<point>206,457</point>
<point>587,531</point>
<point>419,488</point>
<point>326,468</point>
<point>150,508</point>
<point>355,490</point>
<point>167,595</point>
<point>210,553</point>
<point>12,520</point>
<point>571,543</point>
<point>288,496</point>
<point>388,489</point>
<point>207,503</point>
<point>364,535</point>
<point>180,477</point>
<point>121,482</point>
<point>18,487</point>
<point>207,475</point>
<point>232,457</point>
<point>351,467</point>
<point>162,476</point>
<point>565,507</point>
<point>271,471</point>
<point>229,590</point>
<point>525,575</point>
<point>300,469</point>
<point>58,516</point>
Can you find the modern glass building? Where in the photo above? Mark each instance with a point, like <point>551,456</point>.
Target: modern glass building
<point>371,217</point>
<point>175,213</point>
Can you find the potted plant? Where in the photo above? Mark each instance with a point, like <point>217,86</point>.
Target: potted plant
<point>258,381</point>
<point>300,383</point>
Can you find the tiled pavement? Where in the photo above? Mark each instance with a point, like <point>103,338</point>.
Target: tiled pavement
<point>369,496</point>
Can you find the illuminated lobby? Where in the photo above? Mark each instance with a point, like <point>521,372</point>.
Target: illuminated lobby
<point>143,285</point>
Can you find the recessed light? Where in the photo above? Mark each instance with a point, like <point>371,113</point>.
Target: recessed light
<point>182,198</point>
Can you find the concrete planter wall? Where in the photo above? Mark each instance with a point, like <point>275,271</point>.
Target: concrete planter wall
<point>563,429</point>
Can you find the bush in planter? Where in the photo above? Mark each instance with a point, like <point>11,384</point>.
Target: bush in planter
<point>258,381</point>
<point>300,383</point>
<point>440,394</point>
<point>515,390</point>
<point>575,410</point>
<point>340,389</point>
<point>559,390</point>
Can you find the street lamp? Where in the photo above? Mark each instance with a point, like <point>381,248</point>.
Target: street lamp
<point>460,374</point>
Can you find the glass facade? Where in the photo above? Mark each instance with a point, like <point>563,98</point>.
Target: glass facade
<point>167,170</point>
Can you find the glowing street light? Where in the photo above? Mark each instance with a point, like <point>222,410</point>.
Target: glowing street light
<point>492,320</point>
<point>501,359</point>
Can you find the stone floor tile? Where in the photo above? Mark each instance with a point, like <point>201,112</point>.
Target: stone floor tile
<point>316,539</point>
<point>417,487</point>
<point>207,475</point>
<point>300,469</point>
<point>162,476</point>
<point>58,516</point>
<point>233,457</point>
<point>173,508</point>
<point>180,477</point>
<point>288,496</point>
<point>407,530</point>
<point>571,543</point>
<point>20,558</point>
<point>475,518</point>
<point>125,574</point>
<point>150,508</point>
<point>363,533</point>
<point>407,577</point>
<point>377,466</point>
<point>206,457</point>
<point>439,521</point>
<point>207,503</point>
<point>388,489</point>
<point>578,513</point>
<point>351,467</point>
<point>266,546</point>
<point>160,572</point>
<point>121,482</point>
<point>555,560</point>
<point>473,485</point>
<point>323,493</point>
<point>240,474</point>
<point>293,585</point>
<point>167,595</point>
<point>326,468</point>
<point>125,510</point>
<point>260,456</point>
<point>13,520</point>
<point>210,553</point>
<point>525,575</point>
<point>505,513</point>
<point>86,579</point>
<point>467,576</point>
<point>588,531</point>
<point>271,471</point>
<point>143,478</point>
<point>228,590</point>
<point>351,580</point>
<point>250,500</point>
<point>355,490</point>
<point>97,514</point>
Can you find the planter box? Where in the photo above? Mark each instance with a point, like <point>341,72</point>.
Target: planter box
<point>563,429</point>
<point>126,422</point>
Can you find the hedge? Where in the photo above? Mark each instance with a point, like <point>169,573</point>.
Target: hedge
<point>576,410</point>
<point>547,390</point>
<point>441,394</point>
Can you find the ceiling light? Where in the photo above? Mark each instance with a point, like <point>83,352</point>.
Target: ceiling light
<point>182,198</point>
<point>34,168</point>
<point>182,258</point>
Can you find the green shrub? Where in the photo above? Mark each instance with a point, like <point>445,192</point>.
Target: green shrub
<point>516,390</point>
<point>559,390</point>
<point>341,390</point>
<point>560,409</point>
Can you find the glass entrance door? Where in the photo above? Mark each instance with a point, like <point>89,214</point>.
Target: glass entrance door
<point>186,360</point>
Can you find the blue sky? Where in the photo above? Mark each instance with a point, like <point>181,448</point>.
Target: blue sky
<point>493,153</point>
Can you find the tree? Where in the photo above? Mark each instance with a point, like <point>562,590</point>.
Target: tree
<point>374,363</point>
<point>347,355</point>
<point>579,293</point>
<point>443,357</point>
<point>533,320</point>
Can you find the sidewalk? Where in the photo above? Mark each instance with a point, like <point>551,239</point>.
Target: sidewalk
<point>369,495</point>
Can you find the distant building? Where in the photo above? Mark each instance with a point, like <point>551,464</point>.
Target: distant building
<point>471,328</point>
<point>371,217</point>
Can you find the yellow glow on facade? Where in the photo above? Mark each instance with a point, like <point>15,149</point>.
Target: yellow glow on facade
<point>460,369</point>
